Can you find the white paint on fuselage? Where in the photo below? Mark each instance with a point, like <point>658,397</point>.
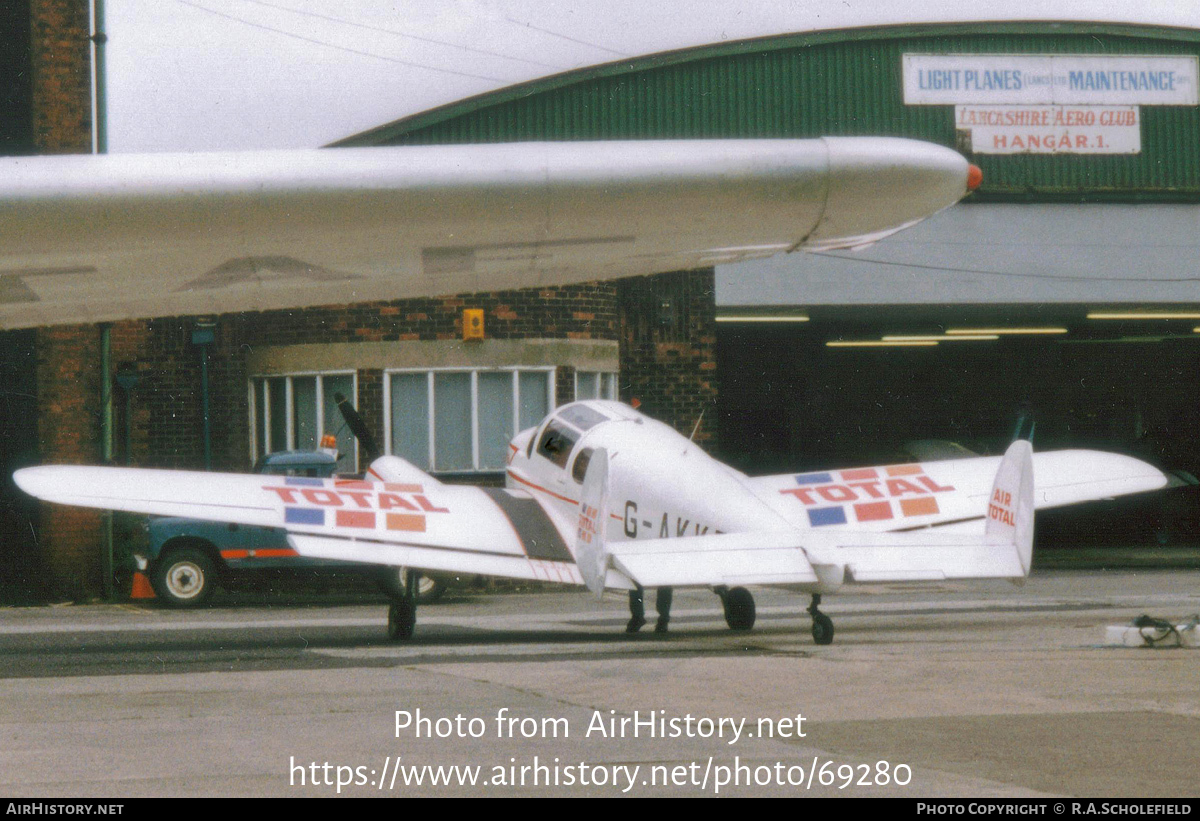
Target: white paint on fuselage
<point>661,485</point>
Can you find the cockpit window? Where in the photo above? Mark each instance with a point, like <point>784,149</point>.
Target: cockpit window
<point>581,416</point>
<point>557,443</point>
<point>579,469</point>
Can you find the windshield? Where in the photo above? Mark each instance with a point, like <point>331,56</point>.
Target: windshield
<point>556,442</point>
<point>582,416</point>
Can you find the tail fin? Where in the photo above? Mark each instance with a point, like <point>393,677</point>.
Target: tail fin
<point>1010,507</point>
<point>591,552</point>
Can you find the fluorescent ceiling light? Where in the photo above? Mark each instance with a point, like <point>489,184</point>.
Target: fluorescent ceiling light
<point>1144,315</point>
<point>762,318</point>
<point>942,338</point>
<point>989,331</point>
<point>880,343</point>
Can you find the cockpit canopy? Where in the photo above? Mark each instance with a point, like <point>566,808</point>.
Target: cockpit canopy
<point>558,436</point>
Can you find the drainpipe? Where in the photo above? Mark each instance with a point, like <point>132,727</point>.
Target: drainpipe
<point>100,144</point>
<point>99,79</point>
<point>106,452</point>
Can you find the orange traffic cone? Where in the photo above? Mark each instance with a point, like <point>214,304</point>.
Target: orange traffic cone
<point>141,587</point>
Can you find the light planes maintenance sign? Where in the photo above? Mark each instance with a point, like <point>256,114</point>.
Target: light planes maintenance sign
<point>1049,104</point>
<point>1033,79</point>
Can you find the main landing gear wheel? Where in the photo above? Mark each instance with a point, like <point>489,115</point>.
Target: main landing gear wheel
<point>739,608</point>
<point>822,626</point>
<point>402,613</point>
<point>402,620</point>
<point>391,581</point>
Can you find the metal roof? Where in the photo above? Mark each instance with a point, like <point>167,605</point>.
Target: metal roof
<point>1182,26</point>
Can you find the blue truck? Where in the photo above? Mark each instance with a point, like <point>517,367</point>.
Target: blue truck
<point>186,559</point>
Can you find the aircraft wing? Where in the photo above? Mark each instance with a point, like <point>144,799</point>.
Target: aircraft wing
<point>423,525</point>
<point>729,559</point>
<point>104,238</point>
<point>949,494</point>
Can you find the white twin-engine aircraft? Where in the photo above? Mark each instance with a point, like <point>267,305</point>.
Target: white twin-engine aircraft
<point>601,495</point>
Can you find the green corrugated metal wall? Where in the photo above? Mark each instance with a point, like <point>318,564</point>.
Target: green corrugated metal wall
<point>832,83</point>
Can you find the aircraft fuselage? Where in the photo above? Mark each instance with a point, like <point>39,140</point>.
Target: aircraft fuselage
<point>661,484</point>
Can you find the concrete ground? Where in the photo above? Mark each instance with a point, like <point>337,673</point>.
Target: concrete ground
<point>952,689</point>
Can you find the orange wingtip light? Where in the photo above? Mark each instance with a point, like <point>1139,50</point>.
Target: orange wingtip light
<point>974,177</point>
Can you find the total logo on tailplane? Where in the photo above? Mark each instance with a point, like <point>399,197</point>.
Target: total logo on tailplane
<point>867,494</point>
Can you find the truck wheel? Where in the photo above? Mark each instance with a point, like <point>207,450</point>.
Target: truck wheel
<point>184,577</point>
<point>391,582</point>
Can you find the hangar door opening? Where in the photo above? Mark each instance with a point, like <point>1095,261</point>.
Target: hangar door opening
<point>791,400</point>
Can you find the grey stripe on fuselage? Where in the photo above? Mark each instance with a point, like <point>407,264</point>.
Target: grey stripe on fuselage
<point>537,533</point>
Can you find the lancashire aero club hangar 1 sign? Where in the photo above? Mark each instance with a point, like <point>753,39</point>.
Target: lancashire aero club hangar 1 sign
<point>1049,104</point>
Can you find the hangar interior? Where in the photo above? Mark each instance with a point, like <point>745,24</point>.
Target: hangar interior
<point>790,400</point>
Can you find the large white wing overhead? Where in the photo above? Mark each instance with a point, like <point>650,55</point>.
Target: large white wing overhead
<point>90,239</point>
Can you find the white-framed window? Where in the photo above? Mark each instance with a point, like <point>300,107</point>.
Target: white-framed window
<point>293,411</point>
<point>460,420</point>
<point>595,385</point>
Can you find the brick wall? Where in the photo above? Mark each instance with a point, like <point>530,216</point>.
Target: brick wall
<point>666,361</point>
<point>668,356</point>
<point>60,63</point>
<point>166,412</point>
<point>68,389</point>
<point>68,358</point>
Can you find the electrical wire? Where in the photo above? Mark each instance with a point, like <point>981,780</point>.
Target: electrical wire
<point>345,22</point>
<point>1018,274</point>
<point>337,47</point>
<point>565,37</point>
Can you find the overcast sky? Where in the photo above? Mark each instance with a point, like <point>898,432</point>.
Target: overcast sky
<point>187,75</point>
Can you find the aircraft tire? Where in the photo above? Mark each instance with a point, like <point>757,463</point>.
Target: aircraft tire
<point>402,620</point>
<point>822,629</point>
<point>184,577</point>
<point>391,582</point>
<point>739,609</point>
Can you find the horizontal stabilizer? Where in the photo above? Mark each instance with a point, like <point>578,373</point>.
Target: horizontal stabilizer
<point>871,557</point>
<point>725,559</point>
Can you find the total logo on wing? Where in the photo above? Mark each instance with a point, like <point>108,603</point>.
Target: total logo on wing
<point>354,503</point>
<point>867,494</point>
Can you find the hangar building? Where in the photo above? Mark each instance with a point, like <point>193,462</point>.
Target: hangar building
<point>1063,291</point>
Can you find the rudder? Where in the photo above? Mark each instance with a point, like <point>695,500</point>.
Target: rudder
<point>1010,505</point>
